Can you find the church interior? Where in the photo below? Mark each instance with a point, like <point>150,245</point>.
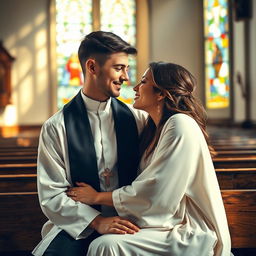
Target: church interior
<point>213,39</point>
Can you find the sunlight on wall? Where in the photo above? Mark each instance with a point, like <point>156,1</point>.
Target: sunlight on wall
<point>24,63</point>
<point>40,39</point>
<point>41,61</point>
<point>10,41</point>
<point>25,31</point>
<point>26,94</point>
<point>28,43</point>
<point>40,79</point>
<point>10,115</point>
<point>39,19</point>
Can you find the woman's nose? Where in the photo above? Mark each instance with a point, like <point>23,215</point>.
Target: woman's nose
<point>136,87</point>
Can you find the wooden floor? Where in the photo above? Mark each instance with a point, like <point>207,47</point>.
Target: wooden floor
<point>235,165</point>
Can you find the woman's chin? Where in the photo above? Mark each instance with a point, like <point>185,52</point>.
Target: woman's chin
<point>136,105</point>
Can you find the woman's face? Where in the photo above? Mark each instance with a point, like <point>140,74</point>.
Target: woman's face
<point>146,97</point>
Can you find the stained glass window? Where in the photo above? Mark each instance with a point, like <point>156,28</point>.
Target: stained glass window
<point>216,35</point>
<point>73,21</point>
<point>119,17</point>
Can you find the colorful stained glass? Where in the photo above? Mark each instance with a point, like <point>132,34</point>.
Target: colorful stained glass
<point>73,21</point>
<point>216,33</point>
<point>119,17</point>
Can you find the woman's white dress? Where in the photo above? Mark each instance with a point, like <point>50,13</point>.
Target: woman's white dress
<point>175,200</point>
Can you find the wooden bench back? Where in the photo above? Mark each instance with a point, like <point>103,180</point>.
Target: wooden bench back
<point>240,207</point>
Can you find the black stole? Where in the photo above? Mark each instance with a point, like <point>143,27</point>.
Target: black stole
<point>81,150</point>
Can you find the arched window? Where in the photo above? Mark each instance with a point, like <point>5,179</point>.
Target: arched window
<point>217,54</point>
<point>76,18</point>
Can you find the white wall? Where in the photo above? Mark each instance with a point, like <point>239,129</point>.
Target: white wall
<point>239,66</point>
<point>23,30</point>
<point>239,62</point>
<point>176,35</point>
<point>253,61</point>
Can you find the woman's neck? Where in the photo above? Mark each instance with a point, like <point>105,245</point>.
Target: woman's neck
<point>156,114</point>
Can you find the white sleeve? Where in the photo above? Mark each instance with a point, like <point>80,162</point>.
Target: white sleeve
<point>140,117</point>
<point>73,217</point>
<point>161,186</point>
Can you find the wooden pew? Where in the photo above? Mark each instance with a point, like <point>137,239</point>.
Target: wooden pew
<point>220,147</point>
<point>236,172</point>
<point>236,153</point>
<point>17,182</point>
<point>24,168</point>
<point>240,207</point>
<point>235,162</point>
<point>20,159</point>
<point>238,188</point>
<point>21,220</point>
<point>236,178</point>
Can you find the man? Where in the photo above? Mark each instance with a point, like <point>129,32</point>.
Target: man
<point>93,139</point>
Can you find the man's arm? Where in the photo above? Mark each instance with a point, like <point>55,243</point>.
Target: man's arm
<point>54,179</point>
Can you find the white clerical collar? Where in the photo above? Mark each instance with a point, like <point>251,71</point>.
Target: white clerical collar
<point>94,105</point>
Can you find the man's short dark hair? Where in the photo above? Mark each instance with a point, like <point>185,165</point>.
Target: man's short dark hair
<point>100,45</point>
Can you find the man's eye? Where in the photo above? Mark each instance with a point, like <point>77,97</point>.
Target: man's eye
<point>118,69</point>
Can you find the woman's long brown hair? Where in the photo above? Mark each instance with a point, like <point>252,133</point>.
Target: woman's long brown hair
<point>177,84</point>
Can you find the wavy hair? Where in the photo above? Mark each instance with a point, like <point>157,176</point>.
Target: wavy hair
<point>177,85</point>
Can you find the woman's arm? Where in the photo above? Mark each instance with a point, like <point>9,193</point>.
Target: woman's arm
<point>88,195</point>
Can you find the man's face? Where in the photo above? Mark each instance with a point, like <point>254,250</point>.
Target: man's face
<point>111,75</point>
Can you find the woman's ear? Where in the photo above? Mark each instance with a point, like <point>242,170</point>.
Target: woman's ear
<point>90,66</point>
<point>161,96</point>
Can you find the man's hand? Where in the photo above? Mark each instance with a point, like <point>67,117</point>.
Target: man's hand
<point>113,225</point>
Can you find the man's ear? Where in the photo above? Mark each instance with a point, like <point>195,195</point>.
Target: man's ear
<point>90,66</point>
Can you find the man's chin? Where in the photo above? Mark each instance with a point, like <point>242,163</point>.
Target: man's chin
<point>115,94</point>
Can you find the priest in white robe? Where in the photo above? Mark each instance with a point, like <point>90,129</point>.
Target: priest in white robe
<point>84,142</point>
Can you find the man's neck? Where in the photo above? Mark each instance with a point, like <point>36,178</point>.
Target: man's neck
<point>94,95</point>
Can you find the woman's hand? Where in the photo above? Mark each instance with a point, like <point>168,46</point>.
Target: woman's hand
<point>84,193</point>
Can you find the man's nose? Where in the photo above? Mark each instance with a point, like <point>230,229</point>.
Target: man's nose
<point>125,75</point>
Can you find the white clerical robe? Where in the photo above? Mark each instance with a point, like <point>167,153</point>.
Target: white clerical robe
<point>176,200</point>
<point>54,171</point>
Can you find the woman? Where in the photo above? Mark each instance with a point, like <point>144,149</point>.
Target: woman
<point>175,200</point>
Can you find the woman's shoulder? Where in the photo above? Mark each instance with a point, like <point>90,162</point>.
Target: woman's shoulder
<point>182,120</point>
<point>181,124</point>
